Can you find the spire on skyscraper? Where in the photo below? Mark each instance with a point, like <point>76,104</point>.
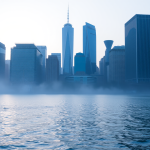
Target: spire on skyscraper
<point>68,15</point>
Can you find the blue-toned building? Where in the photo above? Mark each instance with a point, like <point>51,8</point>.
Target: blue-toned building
<point>2,60</point>
<point>101,66</point>
<point>67,48</point>
<point>103,69</point>
<point>79,63</point>
<point>137,49</point>
<point>89,47</point>
<point>81,80</point>
<point>43,50</point>
<point>52,69</point>
<point>25,64</point>
<point>117,64</point>
<point>108,44</point>
<point>59,59</point>
<point>7,70</point>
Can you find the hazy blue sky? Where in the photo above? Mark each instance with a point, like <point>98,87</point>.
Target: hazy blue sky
<point>41,21</point>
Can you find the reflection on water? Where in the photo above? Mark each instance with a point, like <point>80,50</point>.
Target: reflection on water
<point>74,122</point>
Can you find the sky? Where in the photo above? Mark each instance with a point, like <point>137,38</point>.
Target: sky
<point>41,22</point>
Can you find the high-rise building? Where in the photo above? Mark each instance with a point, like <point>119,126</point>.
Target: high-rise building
<point>101,66</point>
<point>7,70</point>
<point>103,69</point>
<point>137,49</point>
<point>25,64</point>
<point>67,47</point>
<point>43,50</point>
<point>79,64</point>
<point>2,60</point>
<point>108,44</point>
<point>89,47</point>
<point>59,59</point>
<point>52,69</point>
<point>117,64</point>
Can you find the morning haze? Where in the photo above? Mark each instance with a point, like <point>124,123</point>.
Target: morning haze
<point>75,74</point>
<point>41,21</point>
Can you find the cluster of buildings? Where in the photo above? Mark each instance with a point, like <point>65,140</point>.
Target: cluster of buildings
<point>29,63</point>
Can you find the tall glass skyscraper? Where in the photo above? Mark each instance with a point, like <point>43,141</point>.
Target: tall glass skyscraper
<point>67,47</point>
<point>43,50</point>
<point>89,47</point>
<point>137,49</point>
<point>2,60</point>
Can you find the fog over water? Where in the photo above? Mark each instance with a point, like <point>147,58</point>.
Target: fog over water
<point>58,88</point>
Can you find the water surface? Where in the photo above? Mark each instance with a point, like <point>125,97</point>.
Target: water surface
<point>74,122</point>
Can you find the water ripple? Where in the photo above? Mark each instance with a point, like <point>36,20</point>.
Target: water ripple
<point>75,122</point>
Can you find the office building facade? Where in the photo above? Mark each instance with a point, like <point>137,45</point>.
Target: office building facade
<point>67,47</point>
<point>89,47</point>
<point>7,70</point>
<point>2,60</point>
<point>101,66</point>
<point>52,69</point>
<point>79,64</point>
<point>25,64</point>
<point>137,49</point>
<point>117,64</point>
<point>59,59</point>
<point>43,50</point>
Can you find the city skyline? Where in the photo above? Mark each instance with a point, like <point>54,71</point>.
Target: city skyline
<point>44,27</point>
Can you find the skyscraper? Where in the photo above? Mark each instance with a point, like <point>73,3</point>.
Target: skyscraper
<point>89,47</point>
<point>101,66</point>
<point>67,47</point>
<point>137,49</point>
<point>59,59</point>
<point>117,64</point>
<point>43,50</point>
<point>25,64</point>
<point>108,44</point>
<point>52,69</point>
<point>2,60</point>
<point>7,70</point>
<point>79,64</point>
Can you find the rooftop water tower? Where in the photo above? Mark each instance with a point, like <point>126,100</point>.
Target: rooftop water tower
<point>108,44</point>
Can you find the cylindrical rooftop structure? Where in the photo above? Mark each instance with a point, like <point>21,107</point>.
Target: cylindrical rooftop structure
<point>108,44</point>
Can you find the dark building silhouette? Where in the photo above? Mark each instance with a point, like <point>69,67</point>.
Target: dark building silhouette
<point>117,64</point>
<point>2,60</point>
<point>25,64</point>
<point>89,47</point>
<point>79,64</point>
<point>137,49</point>
<point>52,69</point>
